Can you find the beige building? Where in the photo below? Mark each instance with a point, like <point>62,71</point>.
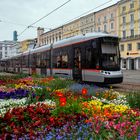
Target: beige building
<point>48,37</point>
<point>71,29</point>
<point>87,23</point>
<point>129,32</point>
<point>106,20</point>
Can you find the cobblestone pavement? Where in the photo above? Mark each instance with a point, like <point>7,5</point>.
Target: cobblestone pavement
<point>131,76</point>
<point>131,81</point>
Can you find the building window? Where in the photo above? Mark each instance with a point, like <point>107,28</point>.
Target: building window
<point>132,18</point>
<point>112,26</point>
<point>138,46</point>
<point>131,5</point>
<point>122,48</point>
<point>91,30</point>
<point>123,20</point>
<point>105,19</point>
<point>124,34</point>
<point>98,29</point>
<point>105,27</point>
<point>99,21</point>
<point>112,16</point>
<point>129,47</point>
<point>138,62</point>
<point>123,63</point>
<point>132,32</point>
<point>123,9</point>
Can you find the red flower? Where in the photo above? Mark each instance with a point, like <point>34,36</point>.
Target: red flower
<point>15,130</point>
<point>84,91</point>
<point>59,94</point>
<point>51,119</point>
<point>37,123</point>
<point>62,101</point>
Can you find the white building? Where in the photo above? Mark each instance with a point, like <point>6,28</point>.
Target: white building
<point>8,48</point>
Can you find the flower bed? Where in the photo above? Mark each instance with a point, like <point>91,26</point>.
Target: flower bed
<point>58,109</point>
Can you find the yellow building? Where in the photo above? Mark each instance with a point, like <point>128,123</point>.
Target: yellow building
<point>71,29</point>
<point>129,32</point>
<point>26,45</point>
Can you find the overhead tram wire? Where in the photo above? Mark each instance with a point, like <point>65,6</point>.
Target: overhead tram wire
<point>31,25</point>
<point>87,12</point>
<point>19,24</point>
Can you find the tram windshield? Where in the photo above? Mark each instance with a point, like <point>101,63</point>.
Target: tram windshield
<point>110,56</point>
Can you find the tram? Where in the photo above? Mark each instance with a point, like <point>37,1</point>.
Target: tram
<point>92,57</point>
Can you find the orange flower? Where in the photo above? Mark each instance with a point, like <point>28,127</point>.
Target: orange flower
<point>84,91</point>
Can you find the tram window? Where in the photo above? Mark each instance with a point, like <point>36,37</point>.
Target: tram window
<point>94,45</point>
<point>33,60</point>
<point>77,58</point>
<point>43,60</point>
<point>91,57</point>
<point>25,61</point>
<point>59,61</point>
<point>88,58</point>
<point>65,61</point>
<point>38,60</point>
<point>62,61</point>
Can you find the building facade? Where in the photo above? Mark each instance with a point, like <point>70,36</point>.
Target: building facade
<point>48,37</point>
<point>25,45</point>
<point>71,29</point>
<point>87,23</point>
<point>5,47</point>
<point>129,32</point>
<point>106,20</point>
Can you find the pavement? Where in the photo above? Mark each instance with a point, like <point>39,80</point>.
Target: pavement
<point>131,76</point>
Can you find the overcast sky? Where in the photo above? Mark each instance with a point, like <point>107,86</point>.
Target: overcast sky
<point>18,14</point>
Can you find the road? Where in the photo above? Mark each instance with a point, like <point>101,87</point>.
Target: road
<point>131,76</point>
<point>131,81</point>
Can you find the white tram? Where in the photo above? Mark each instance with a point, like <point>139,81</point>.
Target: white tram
<point>92,57</point>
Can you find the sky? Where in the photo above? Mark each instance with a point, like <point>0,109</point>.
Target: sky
<point>19,14</point>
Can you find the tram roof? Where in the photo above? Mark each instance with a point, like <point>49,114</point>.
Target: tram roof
<point>72,40</point>
<point>81,38</point>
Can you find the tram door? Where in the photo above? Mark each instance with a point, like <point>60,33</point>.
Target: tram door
<point>77,72</point>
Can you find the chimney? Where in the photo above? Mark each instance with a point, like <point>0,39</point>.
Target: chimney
<point>40,31</point>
